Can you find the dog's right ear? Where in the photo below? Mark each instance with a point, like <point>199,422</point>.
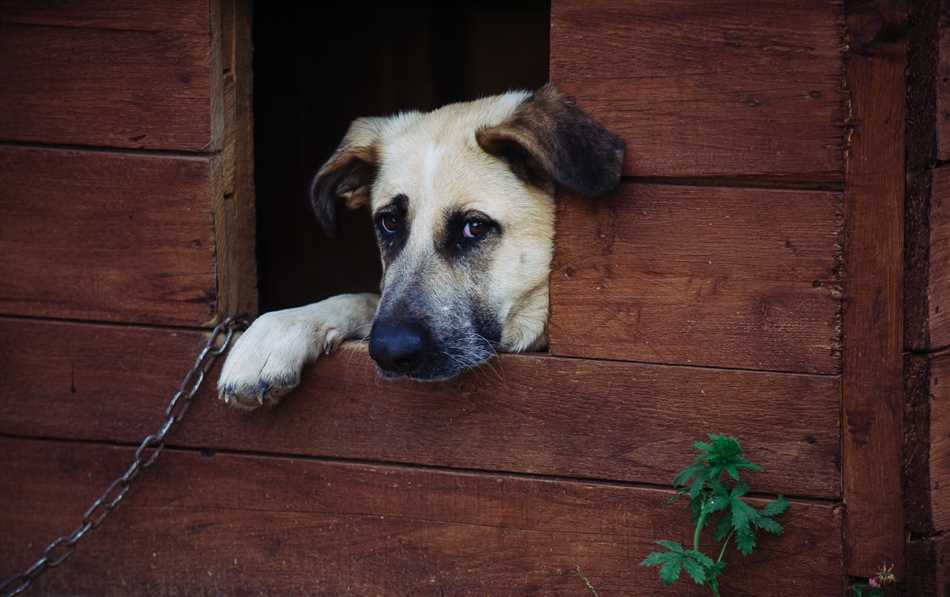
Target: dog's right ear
<point>348,174</point>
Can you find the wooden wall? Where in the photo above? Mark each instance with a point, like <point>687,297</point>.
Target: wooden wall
<point>745,278</point>
<point>927,287</point>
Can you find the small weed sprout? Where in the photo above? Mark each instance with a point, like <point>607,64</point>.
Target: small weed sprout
<point>716,498</point>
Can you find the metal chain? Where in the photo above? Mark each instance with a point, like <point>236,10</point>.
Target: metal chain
<point>148,450</point>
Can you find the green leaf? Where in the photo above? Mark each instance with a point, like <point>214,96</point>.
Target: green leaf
<point>657,557</point>
<point>742,515</point>
<point>743,463</point>
<point>716,504</point>
<point>777,506</point>
<point>696,507</point>
<point>768,525</point>
<point>723,528</point>
<point>745,541</point>
<point>695,570</point>
<point>670,572</point>
<point>731,470</point>
<point>739,490</point>
<point>700,557</point>
<point>696,488</point>
<point>682,478</point>
<point>671,545</point>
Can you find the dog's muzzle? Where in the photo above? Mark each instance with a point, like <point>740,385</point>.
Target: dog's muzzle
<point>398,346</point>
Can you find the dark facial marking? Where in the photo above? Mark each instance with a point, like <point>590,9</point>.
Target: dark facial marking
<point>467,234</point>
<point>392,227</point>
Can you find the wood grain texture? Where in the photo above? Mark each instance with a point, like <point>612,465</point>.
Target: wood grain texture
<point>95,235</point>
<point>745,278</point>
<point>220,525</point>
<point>110,87</point>
<point>939,373</point>
<point>939,283</point>
<point>191,16</point>
<point>526,414</point>
<point>923,18</point>
<point>730,89</point>
<point>873,317</point>
<point>928,567</point>
<point>943,88</point>
<point>235,214</point>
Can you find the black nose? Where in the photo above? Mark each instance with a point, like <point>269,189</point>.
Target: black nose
<point>397,346</point>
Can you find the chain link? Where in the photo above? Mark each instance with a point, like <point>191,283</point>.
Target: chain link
<point>148,450</point>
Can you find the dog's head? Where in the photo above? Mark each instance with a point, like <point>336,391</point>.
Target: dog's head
<point>463,203</point>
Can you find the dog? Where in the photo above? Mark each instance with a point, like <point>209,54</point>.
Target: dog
<point>462,200</point>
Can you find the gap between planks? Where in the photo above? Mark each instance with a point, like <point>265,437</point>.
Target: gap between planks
<point>357,346</point>
<point>406,466</point>
<point>120,151</point>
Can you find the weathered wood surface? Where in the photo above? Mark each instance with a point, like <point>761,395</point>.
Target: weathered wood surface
<point>235,213</point>
<point>95,235</point>
<point>185,16</point>
<point>732,89</point>
<point>526,414</point>
<point>127,77</point>
<point>939,283</point>
<point>745,278</point>
<point>943,88</point>
<point>237,524</point>
<point>939,371</point>
<point>872,374</point>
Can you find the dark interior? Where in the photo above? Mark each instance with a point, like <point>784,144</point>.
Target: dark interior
<point>317,66</point>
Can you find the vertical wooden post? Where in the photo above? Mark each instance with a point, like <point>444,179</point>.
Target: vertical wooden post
<point>873,311</point>
<point>234,203</point>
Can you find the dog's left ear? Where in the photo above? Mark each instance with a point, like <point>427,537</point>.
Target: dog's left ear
<point>548,138</point>
<point>348,174</point>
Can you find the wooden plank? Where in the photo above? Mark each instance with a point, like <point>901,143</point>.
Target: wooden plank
<point>927,567</point>
<point>873,316</point>
<point>917,484</point>
<point>733,89</point>
<point>920,142</point>
<point>943,88</point>
<point>106,87</point>
<point>528,414</point>
<point>939,371</point>
<point>235,213</point>
<point>722,277</point>
<point>939,282</point>
<point>189,16</point>
<point>95,235</point>
<point>220,525</point>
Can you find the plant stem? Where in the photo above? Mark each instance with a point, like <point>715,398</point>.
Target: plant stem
<point>699,529</point>
<point>722,552</point>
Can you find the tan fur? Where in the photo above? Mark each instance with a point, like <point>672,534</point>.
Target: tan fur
<point>448,160</point>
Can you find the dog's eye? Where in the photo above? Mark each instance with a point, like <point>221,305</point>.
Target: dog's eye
<point>475,229</point>
<point>390,223</point>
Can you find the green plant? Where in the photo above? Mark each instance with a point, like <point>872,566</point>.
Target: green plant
<point>876,586</point>
<point>716,497</point>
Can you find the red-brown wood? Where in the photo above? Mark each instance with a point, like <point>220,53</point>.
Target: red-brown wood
<point>110,87</point>
<point>191,16</point>
<point>729,89</point>
<point>242,525</point>
<point>872,374</point>
<point>939,282</point>
<point>529,414</point>
<point>943,87</point>
<point>939,374</point>
<point>725,277</point>
<point>95,235</point>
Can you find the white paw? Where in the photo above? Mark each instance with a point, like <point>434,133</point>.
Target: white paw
<point>266,361</point>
